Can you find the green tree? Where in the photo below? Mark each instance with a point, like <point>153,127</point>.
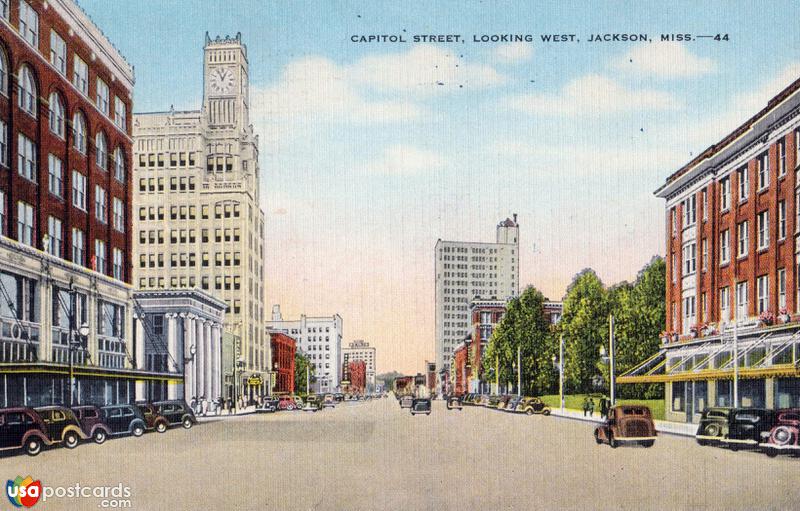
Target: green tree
<point>301,362</point>
<point>584,324</point>
<point>388,379</point>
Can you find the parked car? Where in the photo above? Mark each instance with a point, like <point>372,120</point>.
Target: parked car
<point>268,406</point>
<point>513,403</point>
<point>406,402</point>
<point>421,405</point>
<point>176,412</point>
<point>22,428</point>
<point>61,425</point>
<point>91,419</point>
<point>329,401</point>
<point>493,401</point>
<point>286,403</point>
<point>454,403</point>
<point>532,405</point>
<point>124,420</point>
<point>312,404</point>
<point>298,401</point>
<point>735,427</point>
<point>783,437</point>
<point>627,424</point>
<point>152,419</point>
<point>339,397</point>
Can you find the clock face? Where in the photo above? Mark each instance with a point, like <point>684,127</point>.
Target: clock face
<point>221,80</point>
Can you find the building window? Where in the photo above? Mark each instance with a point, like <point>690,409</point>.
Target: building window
<point>56,115</point>
<point>100,210</point>
<point>689,313</point>
<point>100,256</point>
<point>2,212</point>
<point>705,253</point>
<point>742,237</point>
<point>763,230</point>
<point>705,205</point>
<point>3,71</point>
<point>28,23</point>
<point>58,52</point>
<point>724,194</point>
<point>56,173</point>
<point>781,289</point>
<point>55,236</point>
<point>119,165</point>
<point>781,158</point>
<point>79,190</point>
<point>782,220</point>
<point>744,183</point>
<point>724,252</point>
<point>4,9</point>
<point>3,143</point>
<point>119,264</point>
<point>690,211</point>
<point>762,162</point>
<point>78,247</point>
<point>79,131</point>
<point>763,293</point>
<point>689,259</point>
<point>25,223</point>
<point>102,96</point>
<point>80,74</point>
<point>119,215</point>
<point>741,300</point>
<point>120,113</point>
<point>26,159</point>
<point>27,91</point>
<point>724,304</point>
<point>101,147</point>
<point>674,220</point>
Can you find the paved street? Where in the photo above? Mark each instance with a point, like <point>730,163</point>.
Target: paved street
<point>376,456</point>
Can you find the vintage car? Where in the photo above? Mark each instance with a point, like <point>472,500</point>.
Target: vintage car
<point>124,420</point>
<point>784,437</point>
<point>454,402</point>
<point>406,401</point>
<point>502,403</point>
<point>312,404</point>
<point>176,412</point>
<point>339,397</point>
<point>286,403</point>
<point>298,401</point>
<point>512,404</point>
<point>61,425</point>
<point>268,406</point>
<point>329,401</point>
<point>22,428</point>
<point>152,419</point>
<point>421,405</point>
<point>491,401</point>
<point>91,420</point>
<point>735,427</point>
<point>627,424</point>
<point>532,405</point>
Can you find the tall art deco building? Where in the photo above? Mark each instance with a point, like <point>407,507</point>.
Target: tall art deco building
<point>197,221</point>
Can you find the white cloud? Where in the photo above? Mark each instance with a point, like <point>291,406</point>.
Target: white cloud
<point>402,159</point>
<point>593,95</point>
<point>424,69</point>
<point>666,60</point>
<point>513,53</point>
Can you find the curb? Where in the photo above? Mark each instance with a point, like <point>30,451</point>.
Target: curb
<point>665,427</point>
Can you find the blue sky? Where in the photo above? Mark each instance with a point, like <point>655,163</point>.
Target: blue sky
<point>371,152</point>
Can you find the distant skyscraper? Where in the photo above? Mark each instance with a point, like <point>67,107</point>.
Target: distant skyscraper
<point>465,270</point>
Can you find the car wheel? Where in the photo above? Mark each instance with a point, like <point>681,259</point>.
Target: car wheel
<point>733,447</point>
<point>71,440</point>
<point>529,411</point>
<point>161,427</point>
<point>782,435</point>
<point>33,446</point>
<point>99,436</point>
<point>701,442</point>
<point>648,443</point>
<point>138,430</point>
<point>769,451</point>
<point>712,430</point>
<point>612,441</point>
<point>546,412</point>
<point>187,423</point>
<point>597,438</point>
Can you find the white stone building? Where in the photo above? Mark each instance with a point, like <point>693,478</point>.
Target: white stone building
<point>320,338</point>
<point>197,218</point>
<point>467,269</point>
<point>361,350</point>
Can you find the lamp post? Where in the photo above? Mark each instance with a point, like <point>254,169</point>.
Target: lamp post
<point>609,357</point>
<point>240,366</point>
<point>560,365</point>
<point>519,373</point>
<point>186,360</point>
<point>73,343</point>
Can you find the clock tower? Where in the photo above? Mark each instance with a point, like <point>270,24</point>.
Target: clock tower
<point>226,97</point>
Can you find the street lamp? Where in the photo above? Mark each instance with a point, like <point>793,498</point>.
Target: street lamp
<point>559,364</point>
<point>609,358</point>
<point>186,360</point>
<point>240,366</point>
<point>74,343</point>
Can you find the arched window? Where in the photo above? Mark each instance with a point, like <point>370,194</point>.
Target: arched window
<point>102,150</point>
<point>57,113</point>
<point>3,72</point>
<point>27,90</point>
<point>119,165</point>
<point>79,132</point>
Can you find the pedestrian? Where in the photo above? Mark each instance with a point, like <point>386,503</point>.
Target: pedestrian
<point>193,405</point>
<point>219,406</point>
<point>585,405</point>
<point>603,407</point>
<point>591,407</point>
<point>203,406</point>
<point>229,405</point>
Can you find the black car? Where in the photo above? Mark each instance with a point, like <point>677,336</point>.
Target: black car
<point>124,419</point>
<point>22,428</point>
<point>61,425</point>
<point>269,406</point>
<point>453,402</point>
<point>176,412</point>
<point>513,403</point>
<point>735,427</point>
<point>421,405</point>
<point>339,397</point>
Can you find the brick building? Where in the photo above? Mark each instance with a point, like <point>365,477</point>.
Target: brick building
<point>65,213</point>
<point>732,224</point>
<point>283,350</point>
<point>462,369</point>
<point>357,376</point>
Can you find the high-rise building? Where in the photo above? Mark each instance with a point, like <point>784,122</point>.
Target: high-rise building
<point>361,350</point>
<point>320,339</point>
<point>197,216</point>
<point>465,270</point>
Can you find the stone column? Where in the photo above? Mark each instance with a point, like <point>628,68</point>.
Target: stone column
<point>216,346</point>
<point>189,360</point>
<point>200,357</point>
<point>172,342</point>
<point>208,365</point>
<point>140,356</point>
<point>45,348</point>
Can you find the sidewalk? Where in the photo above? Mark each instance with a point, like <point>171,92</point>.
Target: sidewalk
<point>249,410</point>
<point>666,427</point>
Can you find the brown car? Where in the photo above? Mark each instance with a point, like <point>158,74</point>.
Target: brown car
<point>91,420</point>
<point>153,419</point>
<point>627,424</point>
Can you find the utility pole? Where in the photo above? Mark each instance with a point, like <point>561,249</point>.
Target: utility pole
<point>613,380</point>
<point>308,379</point>
<point>735,344</point>
<point>496,374</point>
<point>519,372</point>
<point>73,302</point>
<point>561,371</point>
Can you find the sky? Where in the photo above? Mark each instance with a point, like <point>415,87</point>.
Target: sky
<point>370,152</point>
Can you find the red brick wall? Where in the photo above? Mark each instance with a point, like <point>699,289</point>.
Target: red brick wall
<point>358,376</point>
<point>48,80</point>
<point>283,350</point>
